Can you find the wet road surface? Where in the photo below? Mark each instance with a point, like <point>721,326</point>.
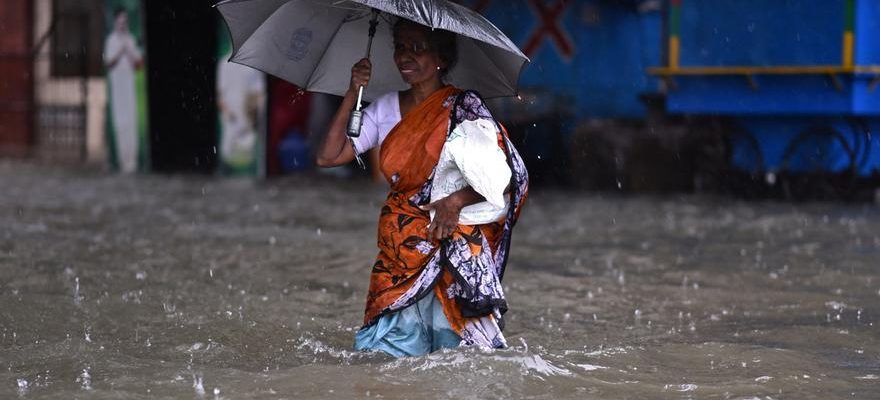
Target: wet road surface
<point>121,287</point>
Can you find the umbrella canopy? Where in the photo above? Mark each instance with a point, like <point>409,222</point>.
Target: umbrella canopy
<point>314,43</point>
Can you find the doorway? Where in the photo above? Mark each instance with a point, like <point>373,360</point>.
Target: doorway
<point>181,48</point>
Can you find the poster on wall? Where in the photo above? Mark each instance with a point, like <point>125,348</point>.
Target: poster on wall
<point>241,109</point>
<point>124,61</point>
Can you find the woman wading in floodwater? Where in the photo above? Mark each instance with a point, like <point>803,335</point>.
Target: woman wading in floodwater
<point>457,185</point>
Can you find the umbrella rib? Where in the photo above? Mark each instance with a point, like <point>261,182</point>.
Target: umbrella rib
<point>224,2</point>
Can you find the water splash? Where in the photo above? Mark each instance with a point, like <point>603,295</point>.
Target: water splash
<point>590,367</point>
<point>536,366</point>
<point>197,385</point>
<point>316,347</point>
<point>22,386</point>
<point>684,387</point>
<point>85,379</point>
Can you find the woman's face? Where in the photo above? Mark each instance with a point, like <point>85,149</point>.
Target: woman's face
<point>415,58</point>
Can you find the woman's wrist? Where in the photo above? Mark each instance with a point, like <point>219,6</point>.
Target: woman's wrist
<point>464,198</point>
<point>457,201</point>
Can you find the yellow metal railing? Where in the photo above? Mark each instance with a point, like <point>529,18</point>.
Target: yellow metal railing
<point>846,67</point>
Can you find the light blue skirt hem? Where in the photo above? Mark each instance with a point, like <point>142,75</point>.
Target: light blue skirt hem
<point>414,331</point>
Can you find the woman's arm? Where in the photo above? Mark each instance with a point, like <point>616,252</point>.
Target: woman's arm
<point>335,150</point>
<point>448,210</point>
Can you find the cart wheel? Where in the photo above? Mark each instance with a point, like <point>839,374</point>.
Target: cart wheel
<point>818,182</point>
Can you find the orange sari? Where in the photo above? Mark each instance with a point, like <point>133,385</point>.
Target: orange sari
<point>410,265</point>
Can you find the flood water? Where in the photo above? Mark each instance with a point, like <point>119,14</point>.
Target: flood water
<point>115,287</point>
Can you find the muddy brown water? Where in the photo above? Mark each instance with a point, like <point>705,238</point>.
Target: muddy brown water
<point>142,287</point>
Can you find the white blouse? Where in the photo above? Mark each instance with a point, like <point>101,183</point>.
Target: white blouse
<point>379,118</point>
<point>470,157</point>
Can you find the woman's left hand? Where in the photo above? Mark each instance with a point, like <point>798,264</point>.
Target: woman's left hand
<point>446,217</point>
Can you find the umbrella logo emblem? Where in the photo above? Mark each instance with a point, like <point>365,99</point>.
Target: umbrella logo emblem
<point>299,44</point>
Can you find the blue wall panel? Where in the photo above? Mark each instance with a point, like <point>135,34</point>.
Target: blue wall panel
<point>868,32</point>
<point>757,33</point>
<point>761,32</point>
<point>787,94</point>
<point>866,99</point>
<point>612,44</point>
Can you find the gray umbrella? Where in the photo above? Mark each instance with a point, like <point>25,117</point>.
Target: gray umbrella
<point>314,43</point>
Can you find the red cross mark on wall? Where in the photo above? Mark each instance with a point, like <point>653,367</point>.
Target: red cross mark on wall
<point>551,26</point>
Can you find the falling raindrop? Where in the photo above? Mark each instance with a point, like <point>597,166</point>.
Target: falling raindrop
<point>77,297</point>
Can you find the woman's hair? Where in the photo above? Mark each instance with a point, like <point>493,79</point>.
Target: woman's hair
<point>442,41</point>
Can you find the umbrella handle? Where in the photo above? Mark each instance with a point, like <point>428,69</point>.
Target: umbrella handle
<point>356,117</point>
<point>354,123</point>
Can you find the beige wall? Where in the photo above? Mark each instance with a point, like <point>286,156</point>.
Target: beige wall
<point>69,91</point>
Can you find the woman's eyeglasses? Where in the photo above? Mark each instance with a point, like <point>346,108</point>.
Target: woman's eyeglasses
<point>414,48</point>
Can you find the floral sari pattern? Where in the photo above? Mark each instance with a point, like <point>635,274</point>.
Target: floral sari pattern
<point>465,270</point>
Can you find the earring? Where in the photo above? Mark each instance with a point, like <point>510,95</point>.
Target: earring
<point>438,68</point>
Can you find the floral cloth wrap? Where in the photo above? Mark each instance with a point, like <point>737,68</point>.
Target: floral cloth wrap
<point>447,142</point>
